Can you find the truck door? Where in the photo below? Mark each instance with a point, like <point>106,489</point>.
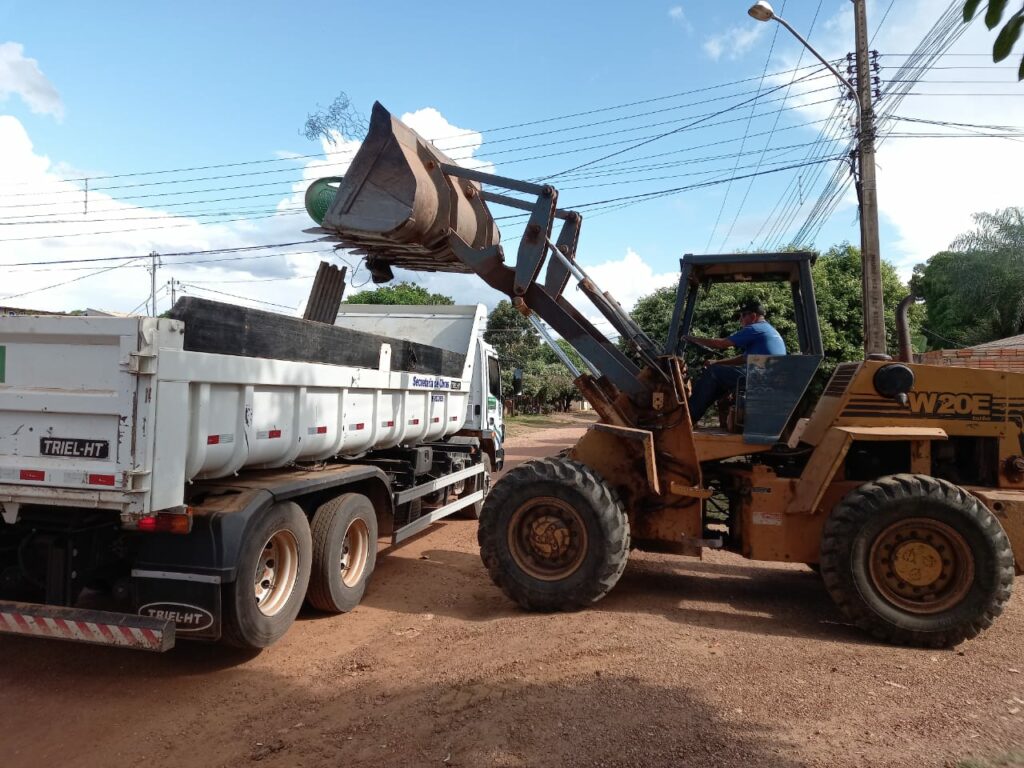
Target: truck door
<point>495,408</point>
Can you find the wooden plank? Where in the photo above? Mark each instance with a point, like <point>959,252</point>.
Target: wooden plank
<point>227,329</point>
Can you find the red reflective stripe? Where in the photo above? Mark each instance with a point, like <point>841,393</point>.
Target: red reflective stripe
<point>21,622</point>
<point>212,439</point>
<point>436,419</point>
<point>321,430</point>
<point>360,425</point>
<point>414,421</point>
<point>274,433</point>
<point>101,479</point>
<point>128,635</point>
<point>151,636</point>
<point>105,631</point>
<point>388,424</point>
<point>32,474</point>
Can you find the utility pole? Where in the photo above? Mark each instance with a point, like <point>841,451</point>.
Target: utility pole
<point>152,282</point>
<point>867,194</point>
<point>173,285</point>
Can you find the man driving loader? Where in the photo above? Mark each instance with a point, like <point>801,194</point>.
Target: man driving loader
<point>755,337</point>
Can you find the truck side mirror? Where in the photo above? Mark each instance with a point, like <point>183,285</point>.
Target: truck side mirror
<point>517,381</point>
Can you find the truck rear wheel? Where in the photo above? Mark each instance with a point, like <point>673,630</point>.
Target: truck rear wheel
<point>553,535</point>
<point>916,560</point>
<point>483,482</point>
<point>273,572</point>
<point>344,552</point>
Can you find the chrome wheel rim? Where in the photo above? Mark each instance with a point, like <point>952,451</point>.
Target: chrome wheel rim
<point>276,572</point>
<point>355,552</point>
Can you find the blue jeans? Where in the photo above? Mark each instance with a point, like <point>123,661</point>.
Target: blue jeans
<point>716,381</point>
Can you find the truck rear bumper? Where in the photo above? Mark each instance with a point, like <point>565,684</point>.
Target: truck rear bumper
<point>124,630</point>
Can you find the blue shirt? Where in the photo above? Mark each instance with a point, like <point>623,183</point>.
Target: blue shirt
<point>758,339</point>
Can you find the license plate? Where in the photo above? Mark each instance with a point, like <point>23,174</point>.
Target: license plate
<point>74,447</point>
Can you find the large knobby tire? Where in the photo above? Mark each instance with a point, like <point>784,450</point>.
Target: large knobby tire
<point>482,481</point>
<point>272,576</point>
<point>344,552</point>
<point>553,535</point>
<point>916,560</point>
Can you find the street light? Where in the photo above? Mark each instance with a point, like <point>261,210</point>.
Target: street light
<point>867,192</point>
<point>763,11</point>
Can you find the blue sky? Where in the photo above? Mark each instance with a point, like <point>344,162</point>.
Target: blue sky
<point>118,88</point>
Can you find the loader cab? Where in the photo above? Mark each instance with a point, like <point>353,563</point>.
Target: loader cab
<point>767,398</point>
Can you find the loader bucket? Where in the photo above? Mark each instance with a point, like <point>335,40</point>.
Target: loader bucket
<point>397,206</point>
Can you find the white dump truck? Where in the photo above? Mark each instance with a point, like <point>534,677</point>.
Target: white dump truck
<point>210,495</point>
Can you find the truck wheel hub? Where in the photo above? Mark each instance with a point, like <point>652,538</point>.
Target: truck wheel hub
<point>276,572</point>
<point>354,552</point>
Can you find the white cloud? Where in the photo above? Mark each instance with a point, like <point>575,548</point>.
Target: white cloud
<point>627,279</point>
<point>120,228</point>
<point>22,77</point>
<point>733,43</point>
<point>678,16</point>
<point>459,144</point>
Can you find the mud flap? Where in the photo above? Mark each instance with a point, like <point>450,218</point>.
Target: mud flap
<point>191,601</point>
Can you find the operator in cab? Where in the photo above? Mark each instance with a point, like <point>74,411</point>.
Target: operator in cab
<point>755,337</point>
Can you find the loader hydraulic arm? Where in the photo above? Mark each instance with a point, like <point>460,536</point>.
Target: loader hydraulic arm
<point>405,204</point>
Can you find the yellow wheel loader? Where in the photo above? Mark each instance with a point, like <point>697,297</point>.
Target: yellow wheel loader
<point>902,483</point>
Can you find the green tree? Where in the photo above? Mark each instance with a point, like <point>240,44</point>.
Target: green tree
<point>974,292</point>
<point>399,293</point>
<point>1008,35</point>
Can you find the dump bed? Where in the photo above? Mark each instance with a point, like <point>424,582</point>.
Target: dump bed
<point>113,412</point>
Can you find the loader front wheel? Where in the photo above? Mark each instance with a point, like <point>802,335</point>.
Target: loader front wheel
<point>553,535</point>
<point>916,560</point>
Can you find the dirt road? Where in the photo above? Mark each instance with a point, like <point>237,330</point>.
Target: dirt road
<point>686,663</point>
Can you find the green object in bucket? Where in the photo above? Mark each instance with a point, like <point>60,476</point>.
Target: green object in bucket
<point>320,195</point>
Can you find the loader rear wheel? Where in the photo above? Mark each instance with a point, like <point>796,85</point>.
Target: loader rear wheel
<point>916,560</point>
<point>273,571</point>
<point>344,552</point>
<point>553,535</point>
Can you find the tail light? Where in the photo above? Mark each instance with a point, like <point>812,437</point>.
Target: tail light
<point>167,522</point>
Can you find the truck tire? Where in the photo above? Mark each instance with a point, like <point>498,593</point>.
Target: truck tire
<point>473,511</point>
<point>273,573</point>
<point>553,535</point>
<point>916,560</point>
<point>344,552</point>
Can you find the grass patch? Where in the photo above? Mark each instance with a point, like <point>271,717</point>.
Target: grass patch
<point>1012,759</point>
<point>520,425</point>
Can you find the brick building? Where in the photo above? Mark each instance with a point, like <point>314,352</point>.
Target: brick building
<point>1005,354</point>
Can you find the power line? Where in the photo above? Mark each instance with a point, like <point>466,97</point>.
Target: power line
<point>746,130</point>
<point>661,136</point>
<point>778,116</point>
<point>65,282</point>
<point>236,296</point>
<point>233,249</point>
<point>294,157</point>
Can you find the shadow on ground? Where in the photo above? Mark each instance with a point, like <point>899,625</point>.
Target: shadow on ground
<point>750,599</point>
